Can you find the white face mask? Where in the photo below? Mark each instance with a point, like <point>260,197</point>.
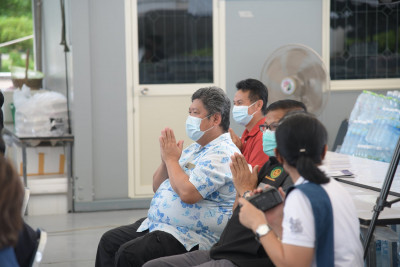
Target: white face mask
<point>241,114</point>
<point>193,127</point>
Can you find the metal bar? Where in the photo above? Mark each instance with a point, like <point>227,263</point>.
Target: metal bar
<point>70,179</point>
<point>381,200</point>
<point>37,29</point>
<point>345,181</point>
<point>16,41</point>
<point>24,172</point>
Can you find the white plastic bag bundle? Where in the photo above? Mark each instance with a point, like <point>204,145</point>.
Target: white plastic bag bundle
<point>43,114</point>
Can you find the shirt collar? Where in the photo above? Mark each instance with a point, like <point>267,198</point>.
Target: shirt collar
<point>254,131</point>
<point>217,140</point>
<point>301,180</point>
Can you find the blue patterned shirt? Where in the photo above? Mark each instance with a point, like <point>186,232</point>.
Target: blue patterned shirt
<point>200,223</point>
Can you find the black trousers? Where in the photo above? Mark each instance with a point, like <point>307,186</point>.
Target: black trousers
<point>123,246</point>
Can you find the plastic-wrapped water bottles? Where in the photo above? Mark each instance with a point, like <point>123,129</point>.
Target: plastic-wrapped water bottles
<point>392,129</point>
<point>358,106</point>
<point>355,135</point>
<point>374,126</point>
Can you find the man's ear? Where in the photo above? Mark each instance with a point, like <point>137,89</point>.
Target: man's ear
<point>259,104</point>
<point>217,118</point>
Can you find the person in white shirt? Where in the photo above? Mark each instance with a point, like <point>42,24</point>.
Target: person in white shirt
<point>317,224</point>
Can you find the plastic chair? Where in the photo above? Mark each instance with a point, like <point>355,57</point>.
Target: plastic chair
<point>341,134</point>
<point>25,202</point>
<point>38,255</point>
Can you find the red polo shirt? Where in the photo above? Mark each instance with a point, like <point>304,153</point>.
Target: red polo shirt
<point>252,146</point>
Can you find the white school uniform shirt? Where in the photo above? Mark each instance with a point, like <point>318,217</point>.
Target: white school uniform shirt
<point>299,227</point>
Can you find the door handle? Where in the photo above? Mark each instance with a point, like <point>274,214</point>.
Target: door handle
<point>144,91</point>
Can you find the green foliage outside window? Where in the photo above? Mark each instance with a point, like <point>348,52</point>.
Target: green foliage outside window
<point>15,22</point>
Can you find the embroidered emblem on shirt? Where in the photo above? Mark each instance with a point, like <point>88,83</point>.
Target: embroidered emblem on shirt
<point>275,173</point>
<point>295,225</point>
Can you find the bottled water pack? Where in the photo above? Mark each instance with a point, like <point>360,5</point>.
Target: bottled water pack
<point>374,126</point>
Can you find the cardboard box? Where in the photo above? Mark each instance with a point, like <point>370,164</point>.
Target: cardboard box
<point>42,160</point>
<point>47,178</point>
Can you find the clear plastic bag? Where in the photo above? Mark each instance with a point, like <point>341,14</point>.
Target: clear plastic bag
<point>41,114</point>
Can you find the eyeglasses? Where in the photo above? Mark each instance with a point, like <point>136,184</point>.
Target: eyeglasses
<point>272,126</point>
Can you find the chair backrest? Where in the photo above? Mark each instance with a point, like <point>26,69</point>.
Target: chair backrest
<point>38,255</point>
<point>26,199</point>
<point>341,134</point>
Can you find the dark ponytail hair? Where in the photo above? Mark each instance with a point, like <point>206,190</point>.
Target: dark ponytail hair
<point>301,141</point>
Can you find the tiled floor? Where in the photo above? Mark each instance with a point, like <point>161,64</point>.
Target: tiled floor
<point>73,238</point>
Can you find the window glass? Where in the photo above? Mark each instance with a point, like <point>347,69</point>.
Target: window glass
<point>16,37</point>
<point>364,39</point>
<point>175,41</point>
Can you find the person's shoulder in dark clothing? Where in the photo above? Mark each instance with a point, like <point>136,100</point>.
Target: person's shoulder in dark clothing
<point>272,173</point>
<point>237,243</point>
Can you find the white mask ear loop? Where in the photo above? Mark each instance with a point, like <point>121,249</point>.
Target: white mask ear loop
<point>252,105</point>
<point>210,127</point>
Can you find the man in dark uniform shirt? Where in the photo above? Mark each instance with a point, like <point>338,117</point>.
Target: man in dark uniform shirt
<point>237,245</point>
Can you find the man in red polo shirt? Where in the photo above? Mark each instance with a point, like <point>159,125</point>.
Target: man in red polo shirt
<point>250,104</point>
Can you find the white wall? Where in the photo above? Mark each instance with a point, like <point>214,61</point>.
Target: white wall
<point>97,76</point>
<point>275,23</point>
<point>98,80</point>
<point>53,56</point>
<point>250,40</point>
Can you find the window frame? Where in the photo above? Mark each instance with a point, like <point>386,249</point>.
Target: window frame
<point>355,84</point>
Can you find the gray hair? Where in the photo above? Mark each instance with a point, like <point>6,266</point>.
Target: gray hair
<point>215,100</point>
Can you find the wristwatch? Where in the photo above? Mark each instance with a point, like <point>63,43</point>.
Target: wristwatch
<point>245,194</point>
<point>262,230</point>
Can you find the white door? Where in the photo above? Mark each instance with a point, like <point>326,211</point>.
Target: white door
<point>174,47</point>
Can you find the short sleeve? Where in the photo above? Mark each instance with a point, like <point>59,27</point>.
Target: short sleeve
<point>298,221</point>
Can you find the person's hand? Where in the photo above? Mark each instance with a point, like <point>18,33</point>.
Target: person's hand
<point>283,194</point>
<point>249,215</point>
<point>280,190</point>
<point>256,191</point>
<point>235,139</point>
<point>243,179</point>
<point>170,149</point>
<point>274,217</point>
